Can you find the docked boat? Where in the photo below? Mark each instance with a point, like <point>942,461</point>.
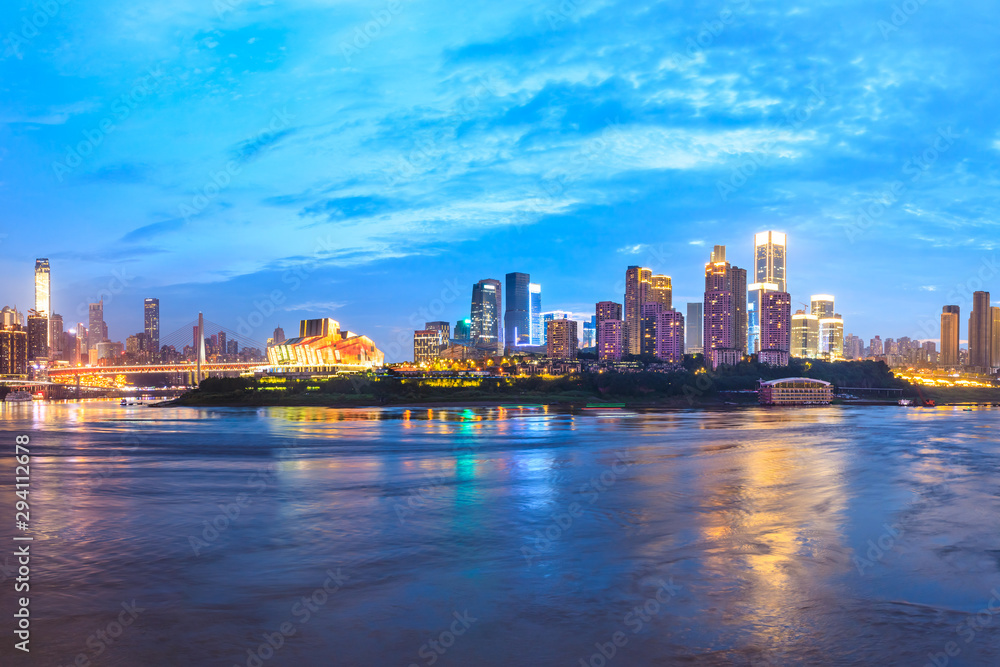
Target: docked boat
<point>906,402</point>
<point>18,397</point>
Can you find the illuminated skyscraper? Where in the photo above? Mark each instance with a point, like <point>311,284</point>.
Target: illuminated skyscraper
<point>13,351</point>
<point>56,350</point>
<point>486,314</point>
<point>609,336</point>
<point>590,333</point>
<point>805,335</point>
<point>647,326</point>
<point>96,330</point>
<point>660,291</point>
<point>11,316</point>
<point>637,283</point>
<point>775,328</point>
<point>426,345</point>
<point>769,276</point>
<point>693,338</point>
<point>821,305</point>
<point>670,337</point>
<point>738,286</point>
<point>563,338</point>
<point>444,332</point>
<point>831,337</point>
<point>769,259</point>
<point>535,297</point>
<point>43,297</point>
<point>517,318</point>
<point>720,321</point>
<point>151,326</point>
<point>38,337</point>
<point>608,310</point>
<point>995,336</point>
<point>463,330</point>
<point>980,332</point>
<point>951,324</point>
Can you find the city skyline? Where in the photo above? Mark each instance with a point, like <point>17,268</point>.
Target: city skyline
<point>650,158</point>
<point>528,293</point>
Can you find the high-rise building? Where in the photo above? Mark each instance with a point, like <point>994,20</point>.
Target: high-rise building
<point>590,333</point>
<point>552,315</point>
<point>854,348</point>
<point>831,326</point>
<point>647,327</point>
<point>775,328</point>
<point>426,345</point>
<point>279,336</point>
<point>10,317</point>
<point>738,286</point>
<point>43,292</point>
<point>831,337</point>
<point>693,337</point>
<point>535,316</point>
<point>563,338</point>
<point>151,325</point>
<point>463,330</point>
<point>110,351</point>
<point>637,283</point>
<point>980,332</point>
<point>769,276</point>
<point>805,335</point>
<point>96,330</point>
<point>821,305</point>
<point>607,310</point>
<point>719,325</point>
<point>444,332</point>
<point>82,341</point>
<point>950,336</point>
<point>56,351</point>
<point>38,336</point>
<point>769,258</point>
<point>517,318</point>
<point>609,336</point>
<point>486,314</point>
<point>876,348</point>
<point>13,351</point>
<point>995,336</point>
<point>670,337</point>
<point>660,291</point>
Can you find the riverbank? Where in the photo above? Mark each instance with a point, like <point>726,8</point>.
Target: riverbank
<point>467,399</point>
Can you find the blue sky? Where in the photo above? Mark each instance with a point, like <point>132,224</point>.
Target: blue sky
<point>369,161</point>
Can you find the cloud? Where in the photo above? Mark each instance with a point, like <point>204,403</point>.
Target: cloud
<point>316,306</point>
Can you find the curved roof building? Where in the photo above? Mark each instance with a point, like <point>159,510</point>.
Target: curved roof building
<point>795,391</point>
<point>323,345</point>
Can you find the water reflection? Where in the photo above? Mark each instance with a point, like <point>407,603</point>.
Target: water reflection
<point>548,525</point>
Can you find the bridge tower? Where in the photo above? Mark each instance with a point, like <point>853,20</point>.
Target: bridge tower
<point>201,348</point>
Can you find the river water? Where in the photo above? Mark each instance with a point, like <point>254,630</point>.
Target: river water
<point>506,536</point>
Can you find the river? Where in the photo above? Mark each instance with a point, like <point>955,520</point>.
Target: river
<point>506,536</point>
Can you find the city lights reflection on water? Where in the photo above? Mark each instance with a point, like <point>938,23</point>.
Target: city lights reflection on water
<point>547,525</point>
